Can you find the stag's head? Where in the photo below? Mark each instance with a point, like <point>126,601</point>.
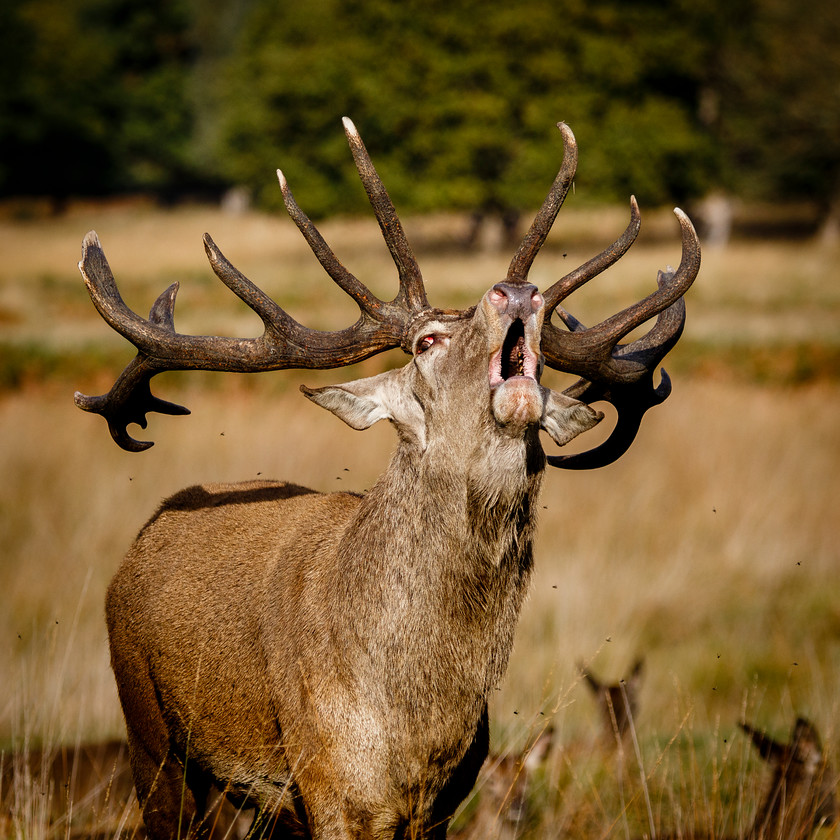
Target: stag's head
<point>477,370</point>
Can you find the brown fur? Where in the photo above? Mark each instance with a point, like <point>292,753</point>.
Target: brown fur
<point>328,657</point>
<point>800,796</point>
<point>618,703</point>
<point>504,787</point>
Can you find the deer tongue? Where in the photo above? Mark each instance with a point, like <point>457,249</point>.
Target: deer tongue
<point>517,403</point>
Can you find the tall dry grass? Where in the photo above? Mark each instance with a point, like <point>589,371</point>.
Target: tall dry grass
<point>710,548</point>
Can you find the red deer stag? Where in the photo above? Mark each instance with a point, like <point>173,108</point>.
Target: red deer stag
<point>330,655</point>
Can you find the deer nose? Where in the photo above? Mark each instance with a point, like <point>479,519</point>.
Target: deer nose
<point>519,300</point>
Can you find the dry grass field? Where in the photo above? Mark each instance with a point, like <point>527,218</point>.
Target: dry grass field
<point>711,548</point>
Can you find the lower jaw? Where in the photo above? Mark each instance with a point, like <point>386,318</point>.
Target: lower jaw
<point>517,402</point>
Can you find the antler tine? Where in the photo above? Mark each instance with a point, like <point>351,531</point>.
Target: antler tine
<point>284,344</point>
<point>631,402</point>
<point>524,257</point>
<point>128,401</point>
<point>623,374</point>
<point>651,348</point>
<point>348,282</point>
<point>130,398</point>
<point>590,352</point>
<point>275,320</point>
<point>291,344</point>
<point>412,292</point>
<point>610,255</point>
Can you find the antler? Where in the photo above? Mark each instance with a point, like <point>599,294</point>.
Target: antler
<point>521,263</point>
<point>284,344</point>
<point>620,374</point>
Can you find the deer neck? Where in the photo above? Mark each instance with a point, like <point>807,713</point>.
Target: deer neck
<point>470,505</point>
<point>441,551</point>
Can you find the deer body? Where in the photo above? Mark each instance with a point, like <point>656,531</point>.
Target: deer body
<point>800,796</point>
<point>504,788</point>
<point>361,634</point>
<point>328,657</point>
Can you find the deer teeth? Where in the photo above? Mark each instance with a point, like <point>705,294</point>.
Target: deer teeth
<point>513,358</point>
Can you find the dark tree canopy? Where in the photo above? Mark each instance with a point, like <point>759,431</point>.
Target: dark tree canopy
<point>456,100</point>
<point>94,97</point>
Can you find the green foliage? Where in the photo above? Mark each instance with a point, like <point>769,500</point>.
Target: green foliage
<point>95,97</point>
<point>53,73</point>
<point>778,101</point>
<point>456,100</point>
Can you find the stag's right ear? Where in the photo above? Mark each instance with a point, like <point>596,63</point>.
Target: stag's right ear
<point>363,402</point>
<point>565,418</point>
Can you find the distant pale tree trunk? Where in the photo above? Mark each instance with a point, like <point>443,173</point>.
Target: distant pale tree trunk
<point>829,232</point>
<point>715,214</point>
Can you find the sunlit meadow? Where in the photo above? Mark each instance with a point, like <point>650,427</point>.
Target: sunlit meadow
<point>710,549</point>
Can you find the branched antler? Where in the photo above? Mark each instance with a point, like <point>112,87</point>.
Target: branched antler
<point>619,373</point>
<point>622,374</point>
<point>284,343</point>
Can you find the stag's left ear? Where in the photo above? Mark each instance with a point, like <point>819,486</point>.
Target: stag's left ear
<point>359,404</point>
<point>565,418</point>
<point>363,402</point>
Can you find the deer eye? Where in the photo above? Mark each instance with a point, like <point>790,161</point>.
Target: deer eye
<point>424,344</point>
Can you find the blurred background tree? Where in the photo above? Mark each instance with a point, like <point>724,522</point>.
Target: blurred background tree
<point>95,97</point>
<point>773,102</point>
<point>456,99</point>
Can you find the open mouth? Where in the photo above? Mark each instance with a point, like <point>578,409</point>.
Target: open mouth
<point>513,358</point>
<point>513,351</point>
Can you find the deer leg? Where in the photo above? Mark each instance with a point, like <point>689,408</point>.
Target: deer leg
<point>170,805</point>
<point>168,797</point>
<point>461,782</point>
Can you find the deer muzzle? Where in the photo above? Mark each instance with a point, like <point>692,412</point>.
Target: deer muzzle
<point>516,313</point>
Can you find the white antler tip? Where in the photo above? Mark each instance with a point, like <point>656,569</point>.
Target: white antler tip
<point>349,127</point>
<point>568,134</point>
<point>282,179</point>
<point>91,240</point>
<point>685,221</point>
